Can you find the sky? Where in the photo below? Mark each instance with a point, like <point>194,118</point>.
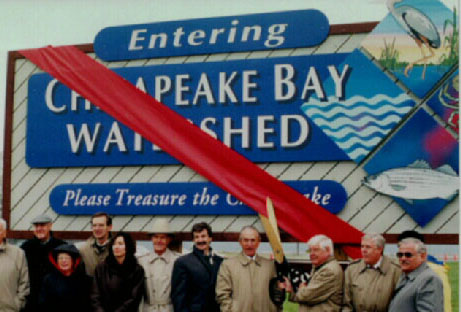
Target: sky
<point>36,23</point>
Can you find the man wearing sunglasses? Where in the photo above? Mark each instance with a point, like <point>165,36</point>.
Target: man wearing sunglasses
<point>419,288</point>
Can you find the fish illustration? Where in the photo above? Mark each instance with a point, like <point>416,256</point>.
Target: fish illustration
<point>417,181</point>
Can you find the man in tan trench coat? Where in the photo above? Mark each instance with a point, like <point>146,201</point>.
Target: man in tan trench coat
<point>158,267</point>
<point>243,281</point>
<point>324,290</point>
<point>370,281</point>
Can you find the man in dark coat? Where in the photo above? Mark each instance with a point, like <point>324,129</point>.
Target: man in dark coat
<point>194,276</point>
<point>37,250</point>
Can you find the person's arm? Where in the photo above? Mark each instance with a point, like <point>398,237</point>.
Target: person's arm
<point>179,287</point>
<point>347,298</point>
<point>23,282</point>
<point>224,288</point>
<point>46,295</point>
<point>137,292</point>
<point>320,287</point>
<point>95,294</point>
<point>429,296</point>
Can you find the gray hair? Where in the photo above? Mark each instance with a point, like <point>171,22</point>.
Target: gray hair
<point>322,241</point>
<point>3,224</point>
<point>419,245</point>
<point>378,239</point>
<point>249,227</point>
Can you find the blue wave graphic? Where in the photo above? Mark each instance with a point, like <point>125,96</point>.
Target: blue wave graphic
<point>356,111</point>
<point>358,124</point>
<point>351,137</point>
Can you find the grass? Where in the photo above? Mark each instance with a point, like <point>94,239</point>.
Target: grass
<point>453,276</point>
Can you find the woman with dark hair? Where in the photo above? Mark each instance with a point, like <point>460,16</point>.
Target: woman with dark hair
<point>67,288</point>
<point>118,283</point>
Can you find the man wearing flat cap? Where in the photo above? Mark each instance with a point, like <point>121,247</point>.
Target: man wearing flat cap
<point>37,250</point>
<point>158,267</point>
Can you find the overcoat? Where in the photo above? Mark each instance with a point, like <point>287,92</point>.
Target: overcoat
<point>39,266</point>
<point>117,287</point>
<point>193,282</point>
<point>157,280</point>
<point>92,255</point>
<point>14,278</point>
<point>370,289</point>
<point>66,293</point>
<point>243,284</point>
<point>324,290</point>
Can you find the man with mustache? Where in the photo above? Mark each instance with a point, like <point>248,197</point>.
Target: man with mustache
<point>419,288</point>
<point>194,275</point>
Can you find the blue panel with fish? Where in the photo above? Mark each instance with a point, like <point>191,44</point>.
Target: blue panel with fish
<point>424,178</point>
<point>416,42</point>
<point>445,101</point>
<point>371,106</point>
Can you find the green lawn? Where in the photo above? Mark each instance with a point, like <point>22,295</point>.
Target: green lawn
<point>453,276</point>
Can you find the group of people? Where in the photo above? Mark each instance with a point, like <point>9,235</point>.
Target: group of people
<point>106,274</point>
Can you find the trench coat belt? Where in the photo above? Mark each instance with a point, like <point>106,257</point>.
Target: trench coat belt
<point>161,302</point>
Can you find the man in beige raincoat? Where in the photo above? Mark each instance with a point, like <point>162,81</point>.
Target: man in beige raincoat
<point>158,266</point>
<point>370,281</point>
<point>324,290</point>
<point>244,280</point>
<point>14,274</point>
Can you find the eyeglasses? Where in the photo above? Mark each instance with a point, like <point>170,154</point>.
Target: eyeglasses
<point>406,254</point>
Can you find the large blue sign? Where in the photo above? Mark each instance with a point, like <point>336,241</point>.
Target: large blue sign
<point>253,106</point>
<point>192,198</point>
<point>281,30</point>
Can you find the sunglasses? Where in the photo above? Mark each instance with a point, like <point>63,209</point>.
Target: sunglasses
<point>406,254</point>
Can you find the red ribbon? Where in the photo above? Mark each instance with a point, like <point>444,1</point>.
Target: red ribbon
<point>209,157</point>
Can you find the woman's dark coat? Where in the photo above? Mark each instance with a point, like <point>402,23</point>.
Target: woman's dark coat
<point>116,287</point>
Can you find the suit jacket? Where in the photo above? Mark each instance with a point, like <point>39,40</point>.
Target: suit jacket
<point>193,282</point>
<point>243,284</point>
<point>419,290</point>
<point>324,291</point>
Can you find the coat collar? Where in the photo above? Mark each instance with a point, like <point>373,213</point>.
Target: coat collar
<point>167,256</point>
<point>244,260</point>
<point>383,268</point>
<point>3,245</point>
<point>316,268</point>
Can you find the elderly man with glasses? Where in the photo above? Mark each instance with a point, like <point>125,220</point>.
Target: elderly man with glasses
<point>419,288</point>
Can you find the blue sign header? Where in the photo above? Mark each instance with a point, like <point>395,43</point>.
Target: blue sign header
<point>252,106</point>
<point>191,198</point>
<point>280,30</point>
